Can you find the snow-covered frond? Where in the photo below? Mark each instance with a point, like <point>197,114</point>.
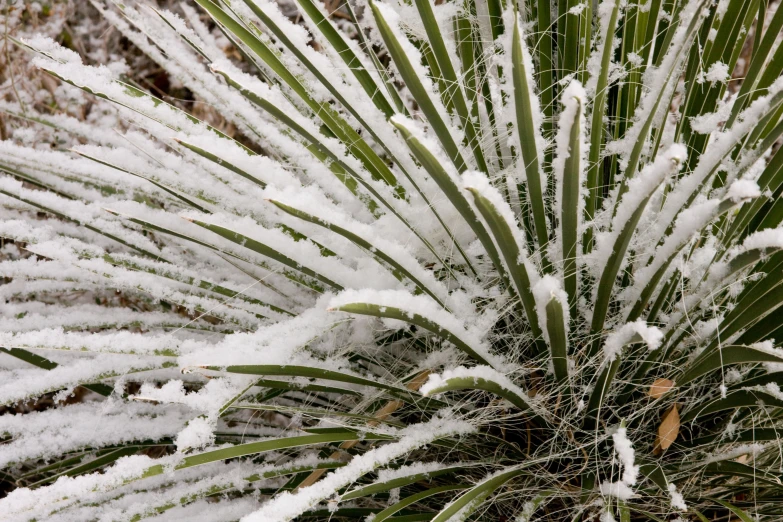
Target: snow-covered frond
<point>272,260</point>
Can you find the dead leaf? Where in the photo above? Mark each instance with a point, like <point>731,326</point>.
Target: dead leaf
<point>668,430</point>
<point>659,387</point>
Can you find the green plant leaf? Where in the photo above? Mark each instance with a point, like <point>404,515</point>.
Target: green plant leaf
<point>724,356</point>
<point>391,312</point>
<point>471,500</point>
<point>529,137</point>
<point>402,504</point>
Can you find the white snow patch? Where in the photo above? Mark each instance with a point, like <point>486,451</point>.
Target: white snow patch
<point>616,340</point>
<point>743,189</point>
<point>678,502</point>
<point>625,454</point>
<point>544,291</point>
<point>718,72</point>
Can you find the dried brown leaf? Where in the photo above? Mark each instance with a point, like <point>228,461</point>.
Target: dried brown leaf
<point>668,430</point>
<point>659,387</point>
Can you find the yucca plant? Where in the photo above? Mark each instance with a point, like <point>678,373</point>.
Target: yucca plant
<point>472,259</point>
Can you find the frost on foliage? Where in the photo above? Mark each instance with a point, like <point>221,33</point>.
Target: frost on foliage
<point>394,21</point>
<point>721,145</point>
<point>640,188</point>
<point>708,123</point>
<point>628,333</point>
<point>109,279</point>
<point>387,474</point>
<point>594,62</point>
<point>771,238</point>
<point>659,85</point>
<point>422,306</point>
<point>752,450</point>
<point>630,472</point>
<point>287,506</point>
<point>687,224</point>
<point>197,434</point>
<point>65,490</point>
<point>207,400</point>
<point>505,41</point>
<point>20,384</point>
<point>53,432</point>
<point>279,343</point>
<point>477,181</point>
<point>548,289</point>
<point>436,381</point>
<point>574,99</point>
